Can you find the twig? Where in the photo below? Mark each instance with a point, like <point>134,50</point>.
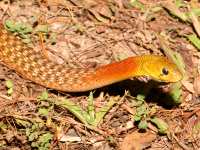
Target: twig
<point>181,144</point>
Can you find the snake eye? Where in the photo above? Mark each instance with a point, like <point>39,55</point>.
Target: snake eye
<point>165,71</point>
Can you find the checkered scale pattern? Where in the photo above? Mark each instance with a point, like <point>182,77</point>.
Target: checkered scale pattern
<point>34,66</point>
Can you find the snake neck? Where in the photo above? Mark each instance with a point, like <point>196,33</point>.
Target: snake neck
<point>114,72</point>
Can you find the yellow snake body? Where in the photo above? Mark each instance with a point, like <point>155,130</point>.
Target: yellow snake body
<point>34,66</point>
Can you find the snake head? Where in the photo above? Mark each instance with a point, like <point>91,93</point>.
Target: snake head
<point>161,69</point>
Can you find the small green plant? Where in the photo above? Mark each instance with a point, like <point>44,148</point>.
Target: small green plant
<point>161,125</point>
<point>21,28</point>
<point>10,86</point>
<point>44,107</point>
<point>143,115</point>
<point>43,141</point>
<point>137,4</point>
<point>34,130</point>
<point>142,110</point>
<point>88,117</point>
<point>39,139</point>
<point>24,29</point>
<point>3,126</point>
<point>44,96</point>
<point>190,16</point>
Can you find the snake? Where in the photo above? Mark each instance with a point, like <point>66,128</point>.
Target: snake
<point>34,66</point>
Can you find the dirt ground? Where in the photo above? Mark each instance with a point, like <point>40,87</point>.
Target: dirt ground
<point>129,115</point>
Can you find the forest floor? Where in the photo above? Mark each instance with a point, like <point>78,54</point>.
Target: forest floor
<point>128,115</point>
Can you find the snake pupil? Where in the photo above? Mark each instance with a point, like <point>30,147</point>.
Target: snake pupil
<point>165,71</point>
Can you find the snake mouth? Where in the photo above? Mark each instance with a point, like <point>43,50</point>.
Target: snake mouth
<point>143,78</point>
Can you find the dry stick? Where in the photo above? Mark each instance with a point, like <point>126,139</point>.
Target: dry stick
<point>181,144</point>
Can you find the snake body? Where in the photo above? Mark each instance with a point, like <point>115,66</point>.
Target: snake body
<point>34,66</point>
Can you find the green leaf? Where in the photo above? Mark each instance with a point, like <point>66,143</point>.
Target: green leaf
<point>136,4</point>
<point>193,12</point>
<point>23,28</point>
<point>19,27</point>
<point>174,10</point>
<point>102,112</point>
<point>142,124</point>
<point>175,92</point>
<point>43,142</point>
<point>196,11</point>
<point>10,91</point>
<point>178,60</point>
<point>45,138</point>
<point>33,136</point>
<point>9,24</point>
<point>43,111</point>
<point>44,96</point>
<point>91,110</point>
<point>9,84</point>
<point>82,115</point>
<point>142,110</point>
<point>23,123</point>
<point>35,126</point>
<point>34,144</point>
<point>179,3</point>
<point>137,117</point>
<point>153,110</point>
<point>141,97</point>
<point>161,125</point>
<point>3,126</point>
<point>194,40</point>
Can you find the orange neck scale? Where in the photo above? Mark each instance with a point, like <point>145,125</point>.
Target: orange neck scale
<point>34,66</point>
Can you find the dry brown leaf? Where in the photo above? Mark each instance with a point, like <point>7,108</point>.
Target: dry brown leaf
<point>137,141</point>
<point>100,10</point>
<point>4,6</point>
<point>197,85</point>
<point>54,2</point>
<point>189,86</point>
<point>188,97</point>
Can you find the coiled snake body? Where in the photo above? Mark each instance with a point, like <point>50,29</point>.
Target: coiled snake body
<point>35,67</point>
